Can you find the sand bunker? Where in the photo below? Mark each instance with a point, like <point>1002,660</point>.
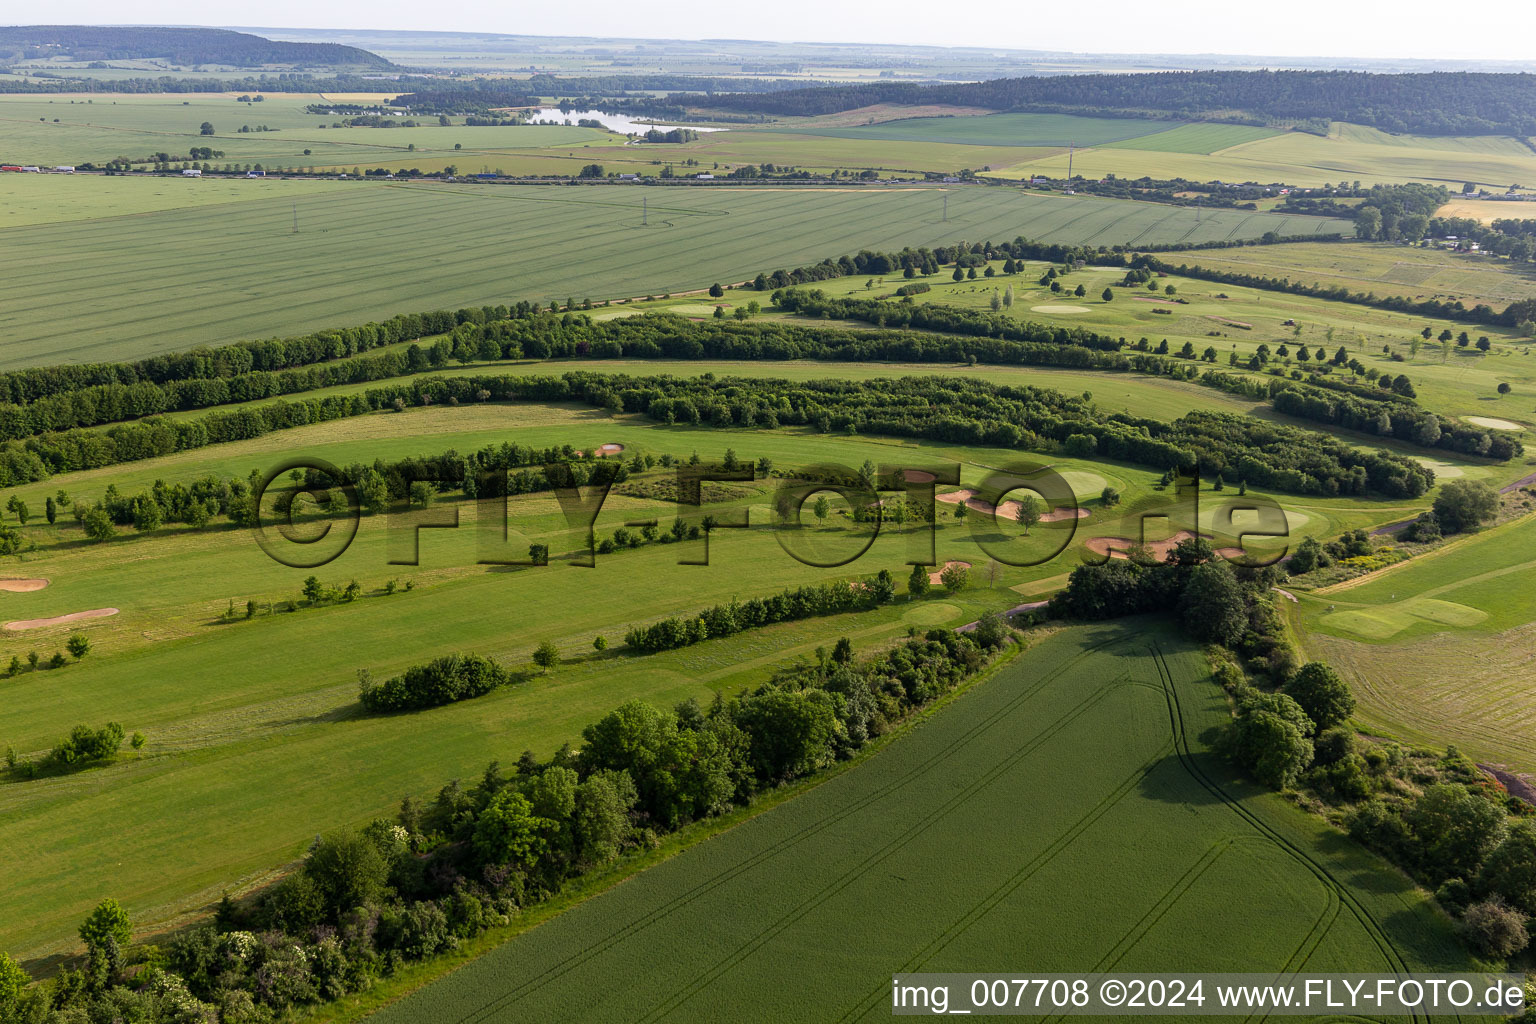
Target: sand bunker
<point>610,449</point>
<point>1058,309</point>
<point>938,577</point>
<point>919,476</point>
<point>1009,509</point>
<point>1493,423</point>
<point>59,620</point>
<point>1116,547</point>
<point>21,586</point>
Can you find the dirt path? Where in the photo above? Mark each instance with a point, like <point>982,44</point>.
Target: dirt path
<point>1026,607</point>
<point>1524,481</point>
<point>1516,784</point>
<point>59,620</point>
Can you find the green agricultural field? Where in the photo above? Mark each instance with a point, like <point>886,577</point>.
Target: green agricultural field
<point>27,200</point>
<point>1195,138</point>
<point>1068,812</point>
<point>1348,153</point>
<point>101,128</point>
<point>175,278</point>
<point>1439,648</point>
<point>1384,269</point>
<point>999,130</point>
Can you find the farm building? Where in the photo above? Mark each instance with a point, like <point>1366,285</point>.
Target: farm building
<point>191,173</point>
<point>64,169</point>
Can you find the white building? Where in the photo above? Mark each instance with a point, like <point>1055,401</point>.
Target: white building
<point>191,173</point>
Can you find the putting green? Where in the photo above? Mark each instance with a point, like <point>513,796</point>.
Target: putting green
<point>1443,470</point>
<point>1491,422</point>
<point>1389,619</point>
<point>930,614</point>
<point>1083,483</point>
<point>1058,309</point>
<point>1447,613</point>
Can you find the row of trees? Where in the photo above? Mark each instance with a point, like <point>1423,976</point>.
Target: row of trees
<point>366,903</point>
<point>21,387</point>
<point>797,603</point>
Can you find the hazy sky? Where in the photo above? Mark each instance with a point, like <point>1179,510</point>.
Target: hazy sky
<point>1501,29</point>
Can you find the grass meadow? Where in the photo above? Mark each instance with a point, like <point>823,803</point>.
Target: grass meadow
<point>1439,649</point>
<point>1384,269</point>
<point>172,278</point>
<point>1079,816</point>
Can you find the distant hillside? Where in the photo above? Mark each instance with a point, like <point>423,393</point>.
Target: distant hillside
<point>1458,103</point>
<point>185,46</point>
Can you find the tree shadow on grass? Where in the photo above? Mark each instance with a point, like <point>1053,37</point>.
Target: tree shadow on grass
<point>1169,782</point>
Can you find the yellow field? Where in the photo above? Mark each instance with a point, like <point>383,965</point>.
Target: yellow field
<point>1488,210</point>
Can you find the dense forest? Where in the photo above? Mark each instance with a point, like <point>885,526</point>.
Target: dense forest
<point>186,46</point>
<point>1461,103</point>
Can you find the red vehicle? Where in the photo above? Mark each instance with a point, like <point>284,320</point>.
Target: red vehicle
<point>10,167</point>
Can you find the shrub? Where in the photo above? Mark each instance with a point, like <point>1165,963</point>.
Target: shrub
<point>108,923</point>
<point>991,631</point>
<point>955,577</point>
<point>1270,738</point>
<point>79,645</point>
<point>443,681</point>
<point>1465,505</point>
<point>1322,694</point>
<point>546,655</point>
<point>1510,871</point>
<point>1494,930</point>
<point>86,744</point>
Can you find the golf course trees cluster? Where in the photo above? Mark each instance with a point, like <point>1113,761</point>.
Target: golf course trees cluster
<point>967,411</point>
<point>1464,505</point>
<point>444,680</point>
<point>798,603</point>
<point>1386,411</point>
<point>367,902</point>
<point>1215,603</point>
